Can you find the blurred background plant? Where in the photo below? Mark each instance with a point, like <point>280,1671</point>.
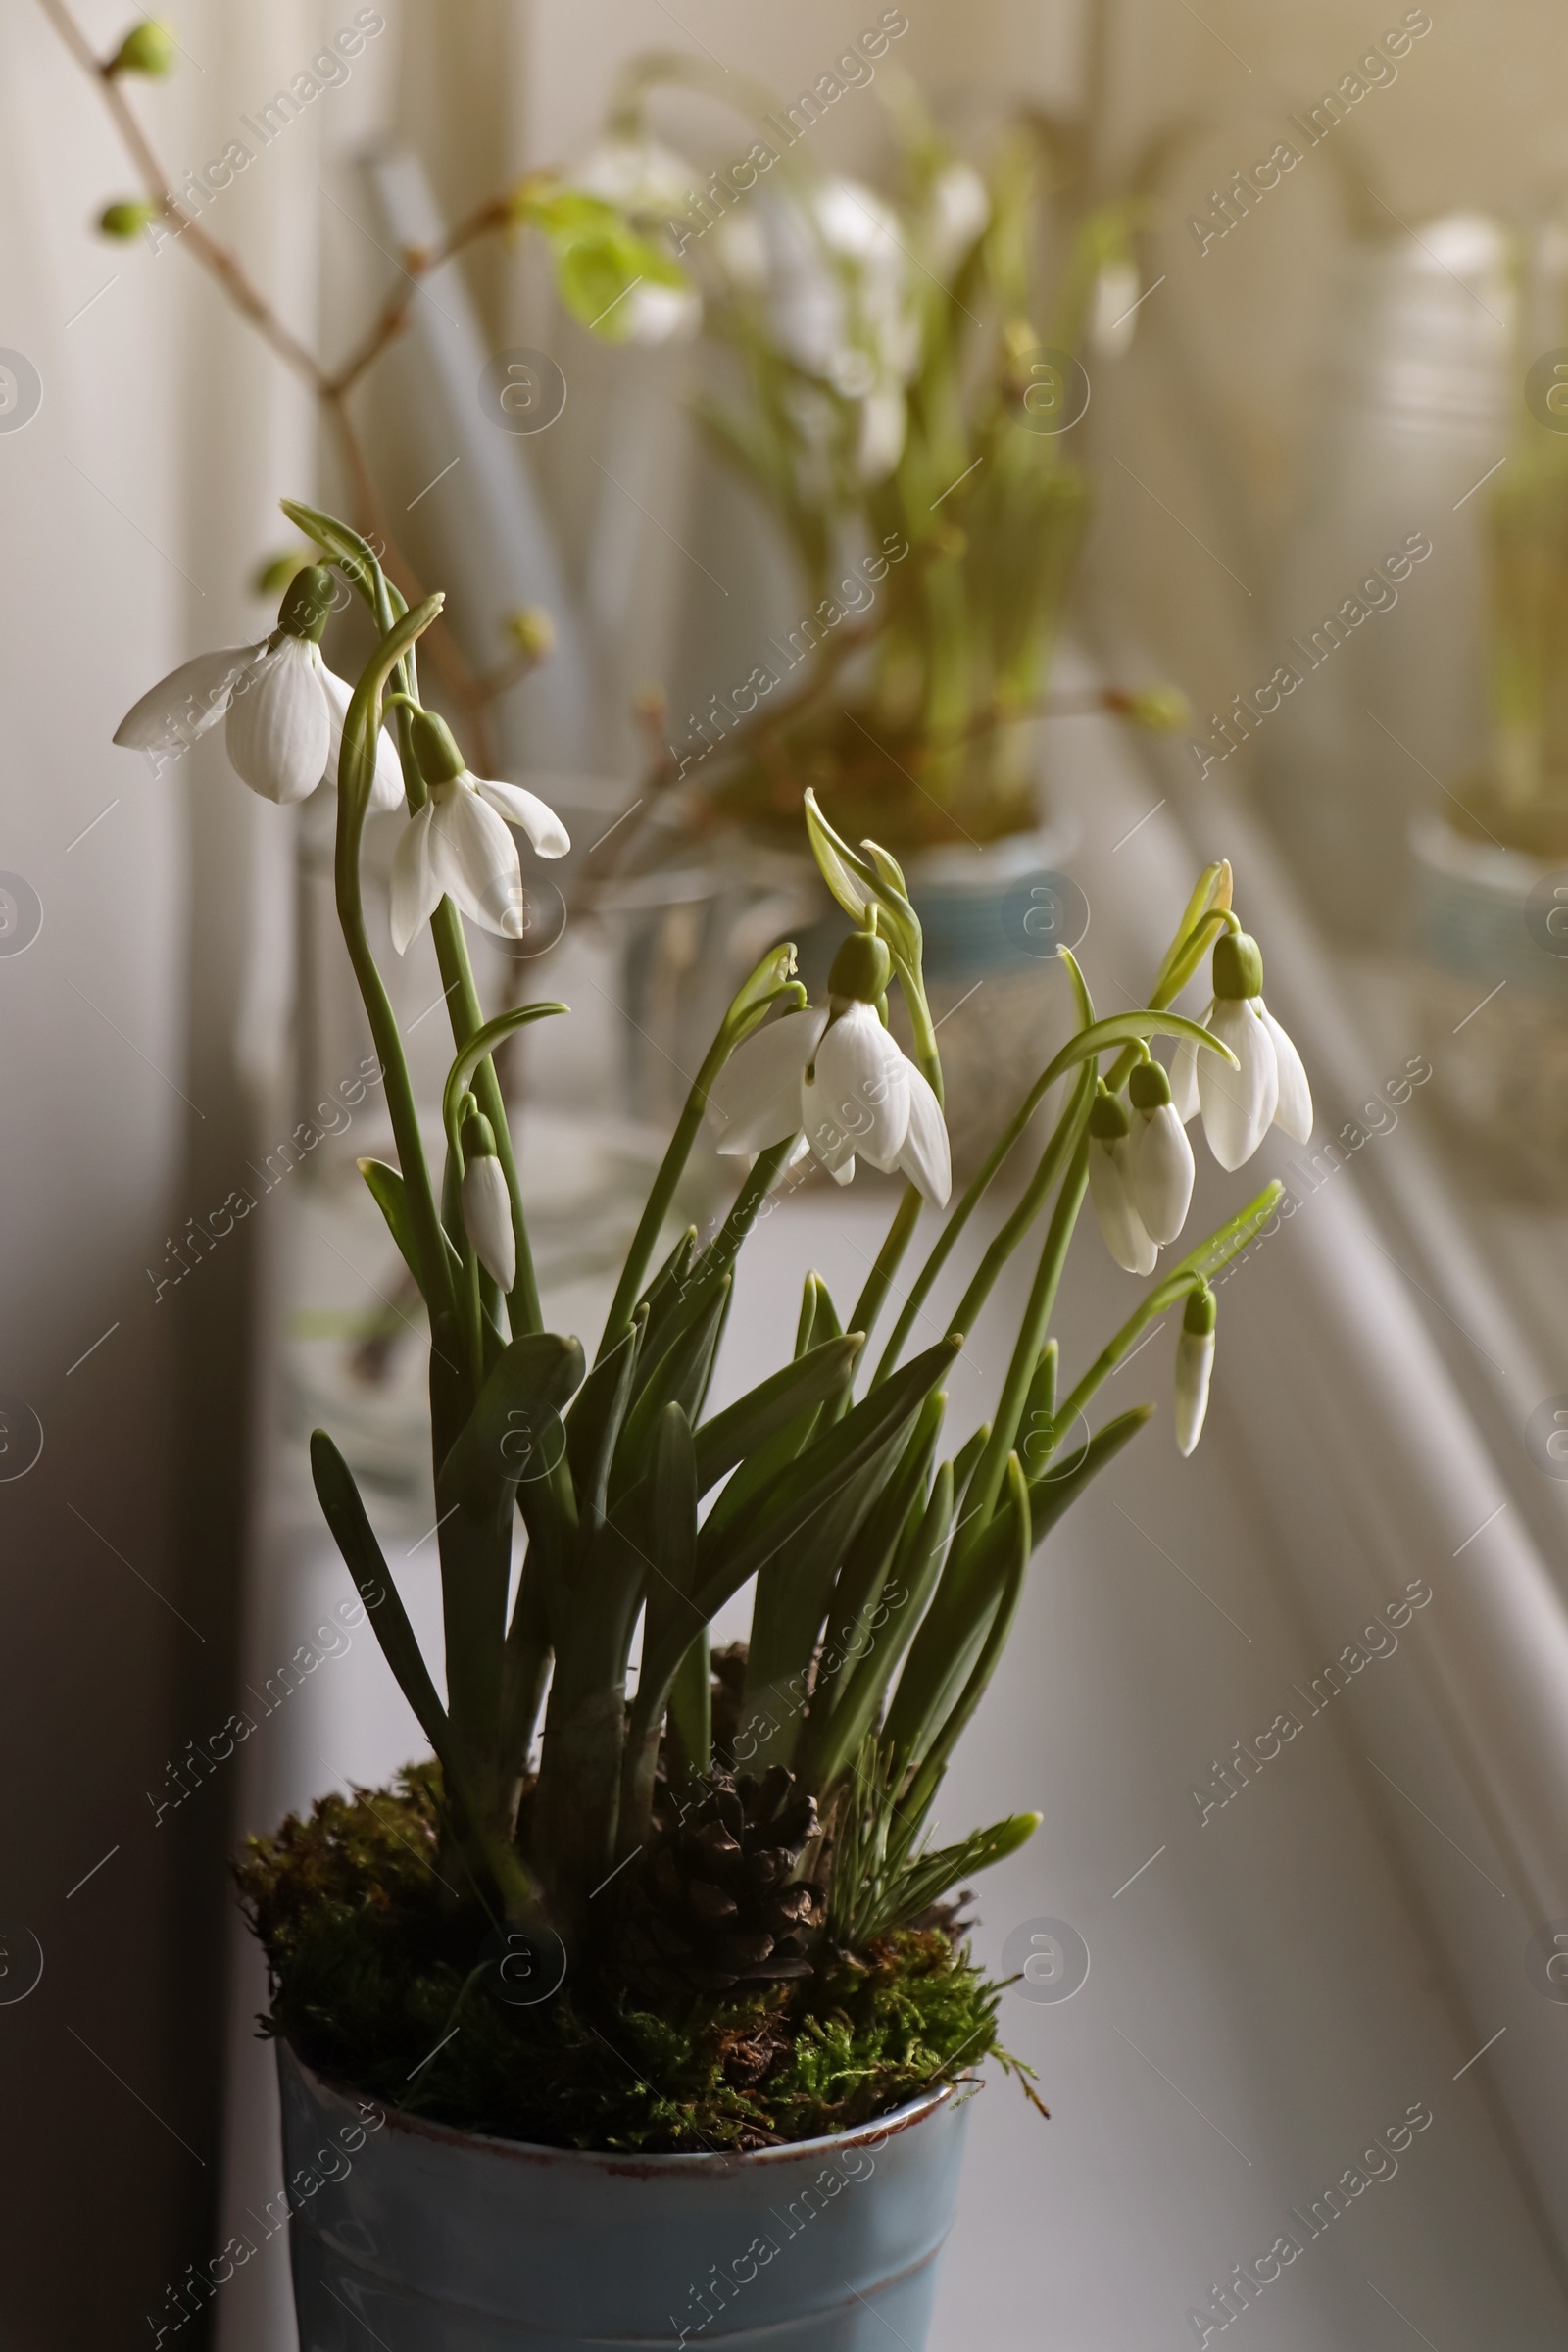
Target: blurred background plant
<point>896,379</point>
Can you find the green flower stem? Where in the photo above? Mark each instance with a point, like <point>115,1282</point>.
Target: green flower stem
<point>359,748</point>
<point>878,1283</point>
<point>1084,1045</point>
<point>991,1468</point>
<point>1023,1216</point>
<point>1193,1274</point>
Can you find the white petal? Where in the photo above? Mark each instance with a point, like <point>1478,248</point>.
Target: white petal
<point>663,313</point>
<point>859,1102</point>
<point>387,789</point>
<point>278,723</point>
<point>1182,1073</point>
<point>1125,1238</point>
<point>487,1217</point>
<point>537,819</point>
<point>416,892</point>
<point>474,859</point>
<point>1162,1169</point>
<point>1294,1110</point>
<point>189,700</point>
<point>1195,1365</point>
<point>844,1171</point>
<point>926,1158</point>
<point>1238,1105</point>
<point>755,1097</point>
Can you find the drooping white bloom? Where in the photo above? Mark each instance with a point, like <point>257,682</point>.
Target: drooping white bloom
<point>640,174</point>
<point>487,1204</point>
<point>1160,1169</point>
<point>285,709</point>
<point>957,210</point>
<point>661,313</point>
<point>1113,320</point>
<point>1110,1184</point>
<point>1195,1367</point>
<point>837,1076</point>
<point>834,270</point>
<point>459,845</point>
<point>1269,1086</point>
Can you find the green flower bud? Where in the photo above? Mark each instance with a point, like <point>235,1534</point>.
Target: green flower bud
<point>532,631</point>
<point>127,219</point>
<point>861,968</point>
<point>147,48</point>
<point>306,601</point>
<point>435,749</point>
<point>478,1135</point>
<point>1149,1087</point>
<point>1201,1314</point>
<point>1156,710</point>
<point>1108,1121</point>
<point>272,577</point>
<point>1238,965</point>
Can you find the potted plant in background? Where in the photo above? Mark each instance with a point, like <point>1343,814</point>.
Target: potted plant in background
<point>897,381</point>
<point>1491,864</point>
<point>674,1972</point>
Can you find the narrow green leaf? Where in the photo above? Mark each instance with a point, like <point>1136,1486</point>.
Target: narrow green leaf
<point>736,1434</point>
<point>680,1377</point>
<point>345,1515</point>
<point>593,1426</point>
<point>839,1455</point>
<point>514,1426</point>
<point>917,1565</point>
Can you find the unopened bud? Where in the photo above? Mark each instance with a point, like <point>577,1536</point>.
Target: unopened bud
<point>1156,710</point>
<point>127,219</point>
<point>532,631</point>
<point>147,48</point>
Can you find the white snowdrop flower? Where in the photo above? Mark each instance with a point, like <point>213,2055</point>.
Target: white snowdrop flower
<point>837,1076</point>
<point>285,709</point>
<point>1160,1157</point>
<point>487,1204</point>
<point>1195,1366</point>
<point>640,174</point>
<point>658,314</point>
<point>884,423</point>
<point>957,210</point>
<point>1113,319</point>
<point>1269,1087</point>
<point>1111,1184</point>
<point>459,845</point>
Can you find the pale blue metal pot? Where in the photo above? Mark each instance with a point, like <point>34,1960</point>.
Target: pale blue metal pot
<point>433,2240</point>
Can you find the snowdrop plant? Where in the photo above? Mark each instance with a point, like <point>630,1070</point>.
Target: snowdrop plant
<point>593,1511</point>
<point>880,366</point>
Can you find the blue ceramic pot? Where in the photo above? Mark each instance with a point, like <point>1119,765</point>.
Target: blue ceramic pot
<point>434,2240</point>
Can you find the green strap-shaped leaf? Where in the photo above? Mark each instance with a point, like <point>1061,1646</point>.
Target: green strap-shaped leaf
<point>917,1565</point>
<point>344,1512</point>
<point>735,1434</point>
<point>679,1377</point>
<point>805,1485</point>
<point>508,1433</point>
<point>593,1426</point>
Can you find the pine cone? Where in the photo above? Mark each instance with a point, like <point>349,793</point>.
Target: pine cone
<point>713,1901</point>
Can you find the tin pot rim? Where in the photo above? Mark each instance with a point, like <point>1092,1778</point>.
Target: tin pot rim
<point>875,2133</point>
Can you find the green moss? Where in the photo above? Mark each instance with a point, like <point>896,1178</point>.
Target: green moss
<point>372,1961</point>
